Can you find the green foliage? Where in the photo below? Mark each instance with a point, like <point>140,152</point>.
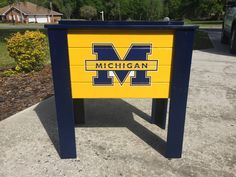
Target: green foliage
<point>67,7</point>
<point>9,72</point>
<point>172,8</point>
<point>213,8</point>
<point>155,9</point>
<point>136,9</point>
<point>3,3</point>
<point>113,9</point>
<point>88,12</point>
<point>176,9</point>
<point>7,2</point>
<point>29,50</point>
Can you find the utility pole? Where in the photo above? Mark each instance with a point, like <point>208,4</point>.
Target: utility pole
<point>102,13</point>
<point>52,20</point>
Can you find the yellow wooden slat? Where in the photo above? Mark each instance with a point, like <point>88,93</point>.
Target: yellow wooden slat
<point>78,56</point>
<point>120,38</point>
<point>78,74</point>
<point>86,90</point>
<point>80,44</point>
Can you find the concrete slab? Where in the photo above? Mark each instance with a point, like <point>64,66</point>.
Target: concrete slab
<point>118,141</point>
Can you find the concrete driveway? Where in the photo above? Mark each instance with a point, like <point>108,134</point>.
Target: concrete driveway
<point>117,139</point>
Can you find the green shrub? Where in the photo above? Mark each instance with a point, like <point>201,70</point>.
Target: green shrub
<point>9,72</point>
<point>29,50</point>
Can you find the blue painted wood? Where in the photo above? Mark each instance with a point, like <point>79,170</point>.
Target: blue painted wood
<point>71,24</point>
<point>179,91</point>
<point>62,89</point>
<point>79,111</point>
<point>120,22</point>
<point>159,111</point>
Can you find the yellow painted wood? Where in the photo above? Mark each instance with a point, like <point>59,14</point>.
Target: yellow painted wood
<point>78,74</point>
<point>94,65</point>
<point>120,38</point>
<point>82,58</point>
<point>84,90</point>
<point>77,56</point>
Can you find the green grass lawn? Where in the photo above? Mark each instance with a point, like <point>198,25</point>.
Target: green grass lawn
<point>202,24</point>
<point>21,26</point>
<point>5,59</point>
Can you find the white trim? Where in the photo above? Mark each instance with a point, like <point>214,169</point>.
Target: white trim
<point>14,8</point>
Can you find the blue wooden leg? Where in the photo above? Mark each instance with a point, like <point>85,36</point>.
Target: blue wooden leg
<point>159,110</point>
<point>79,111</point>
<point>175,130</point>
<point>179,91</point>
<point>62,89</point>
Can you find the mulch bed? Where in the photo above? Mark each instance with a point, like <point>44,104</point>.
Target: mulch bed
<point>23,90</point>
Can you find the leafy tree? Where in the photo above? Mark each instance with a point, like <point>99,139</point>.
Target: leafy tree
<point>154,9</point>
<point>66,7</point>
<point>127,9</point>
<point>3,3</point>
<point>99,4</point>
<point>113,9</point>
<point>88,12</point>
<point>213,9</point>
<point>135,9</point>
<point>173,8</point>
<point>117,10</point>
<point>193,9</point>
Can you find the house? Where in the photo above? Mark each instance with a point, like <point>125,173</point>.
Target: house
<point>27,12</point>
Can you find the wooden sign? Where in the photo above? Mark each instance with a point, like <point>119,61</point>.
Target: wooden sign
<point>121,60</point>
<point>120,63</point>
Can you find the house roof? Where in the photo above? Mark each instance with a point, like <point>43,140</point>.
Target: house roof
<point>28,8</point>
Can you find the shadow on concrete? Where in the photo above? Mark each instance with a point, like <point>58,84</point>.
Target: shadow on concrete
<point>102,113</point>
<point>47,115</point>
<point>219,48</point>
<point>223,51</point>
<point>119,113</point>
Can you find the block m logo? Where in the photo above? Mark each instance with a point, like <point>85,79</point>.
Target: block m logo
<point>136,60</point>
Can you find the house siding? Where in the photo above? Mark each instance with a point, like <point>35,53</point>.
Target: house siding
<point>16,16</point>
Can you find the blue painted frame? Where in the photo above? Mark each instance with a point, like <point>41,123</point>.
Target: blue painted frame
<point>179,91</point>
<point>72,111</point>
<point>159,111</point>
<point>74,24</point>
<point>62,89</point>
